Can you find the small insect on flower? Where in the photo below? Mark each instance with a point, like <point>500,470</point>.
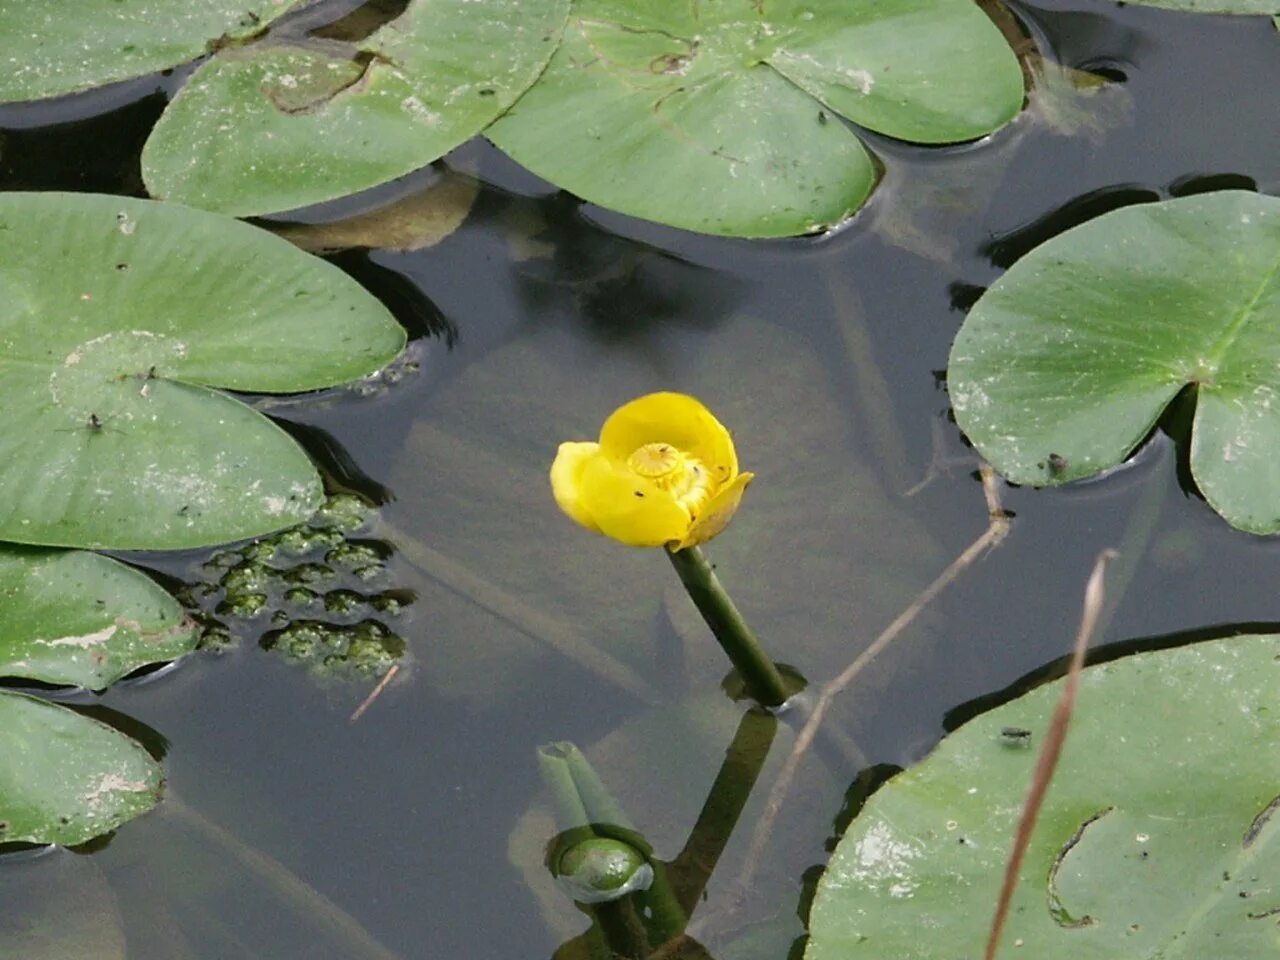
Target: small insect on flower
<point>664,473</point>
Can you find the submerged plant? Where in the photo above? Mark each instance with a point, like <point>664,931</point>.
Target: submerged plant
<point>664,473</point>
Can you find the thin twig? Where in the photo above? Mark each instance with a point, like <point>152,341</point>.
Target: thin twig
<point>1094,600</point>
<point>997,529</point>
<point>375,693</point>
<point>939,463</point>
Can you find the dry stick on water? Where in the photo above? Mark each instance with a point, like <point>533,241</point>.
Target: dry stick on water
<point>1094,600</point>
<point>375,693</point>
<point>997,529</point>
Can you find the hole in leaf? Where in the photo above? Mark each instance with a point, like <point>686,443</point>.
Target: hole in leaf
<point>1260,821</point>
<point>1057,909</point>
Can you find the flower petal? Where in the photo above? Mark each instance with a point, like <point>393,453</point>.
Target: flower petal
<point>566,480</point>
<point>674,418</point>
<point>717,513</point>
<point>628,507</point>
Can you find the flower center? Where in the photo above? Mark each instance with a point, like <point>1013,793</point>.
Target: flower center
<point>656,460</point>
<point>674,471</point>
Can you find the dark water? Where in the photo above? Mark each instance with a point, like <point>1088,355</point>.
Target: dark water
<point>422,821</point>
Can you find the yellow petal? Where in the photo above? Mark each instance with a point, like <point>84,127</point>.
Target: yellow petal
<point>566,480</point>
<point>629,507</point>
<point>673,418</point>
<point>717,513</point>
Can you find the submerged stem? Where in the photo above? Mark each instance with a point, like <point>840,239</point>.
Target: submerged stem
<point>731,631</point>
<point>338,926</point>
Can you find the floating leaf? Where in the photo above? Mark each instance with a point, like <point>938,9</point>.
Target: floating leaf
<point>1244,7</point>
<point>65,778</point>
<point>1065,364</point>
<point>49,49</point>
<point>116,318</point>
<point>81,619</point>
<point>271,127</point>
<point>1157,837</point>
<point>722,117</point>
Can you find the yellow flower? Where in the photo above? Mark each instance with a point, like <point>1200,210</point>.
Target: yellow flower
<point>663,473</point>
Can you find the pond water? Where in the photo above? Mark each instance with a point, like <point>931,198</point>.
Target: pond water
<point>418,831</point>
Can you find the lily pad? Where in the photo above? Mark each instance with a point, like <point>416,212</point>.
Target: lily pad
<point>65,778</point>
<point>724,117</point>
<point>1065,364</point>
<point>50,49</point>
<point>117,317</point>
<point>274,126</point>
<point>1158,837</point>
<point>81,619</point>
<point>1243,7</point>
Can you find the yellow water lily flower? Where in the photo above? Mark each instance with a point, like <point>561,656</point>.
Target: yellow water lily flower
<point>663,474</point>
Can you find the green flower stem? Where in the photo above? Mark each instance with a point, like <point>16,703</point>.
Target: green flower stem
<point>735,637</point>
<point>623,929</point>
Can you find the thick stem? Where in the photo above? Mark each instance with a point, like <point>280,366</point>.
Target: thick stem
<point>735,637</point>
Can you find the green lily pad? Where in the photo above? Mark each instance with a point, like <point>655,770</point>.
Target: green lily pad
<point>1243,7</point>
<point>722,117</point>
<point>65,778</point>
<point>50,49</point>
<point>271,127</point>
<point>81,619</point>
<point>1157,838</point>
<point>1065,364</point>
<point>117,317</point>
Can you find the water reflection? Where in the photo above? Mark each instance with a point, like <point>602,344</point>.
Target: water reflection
<point>619,287</point>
